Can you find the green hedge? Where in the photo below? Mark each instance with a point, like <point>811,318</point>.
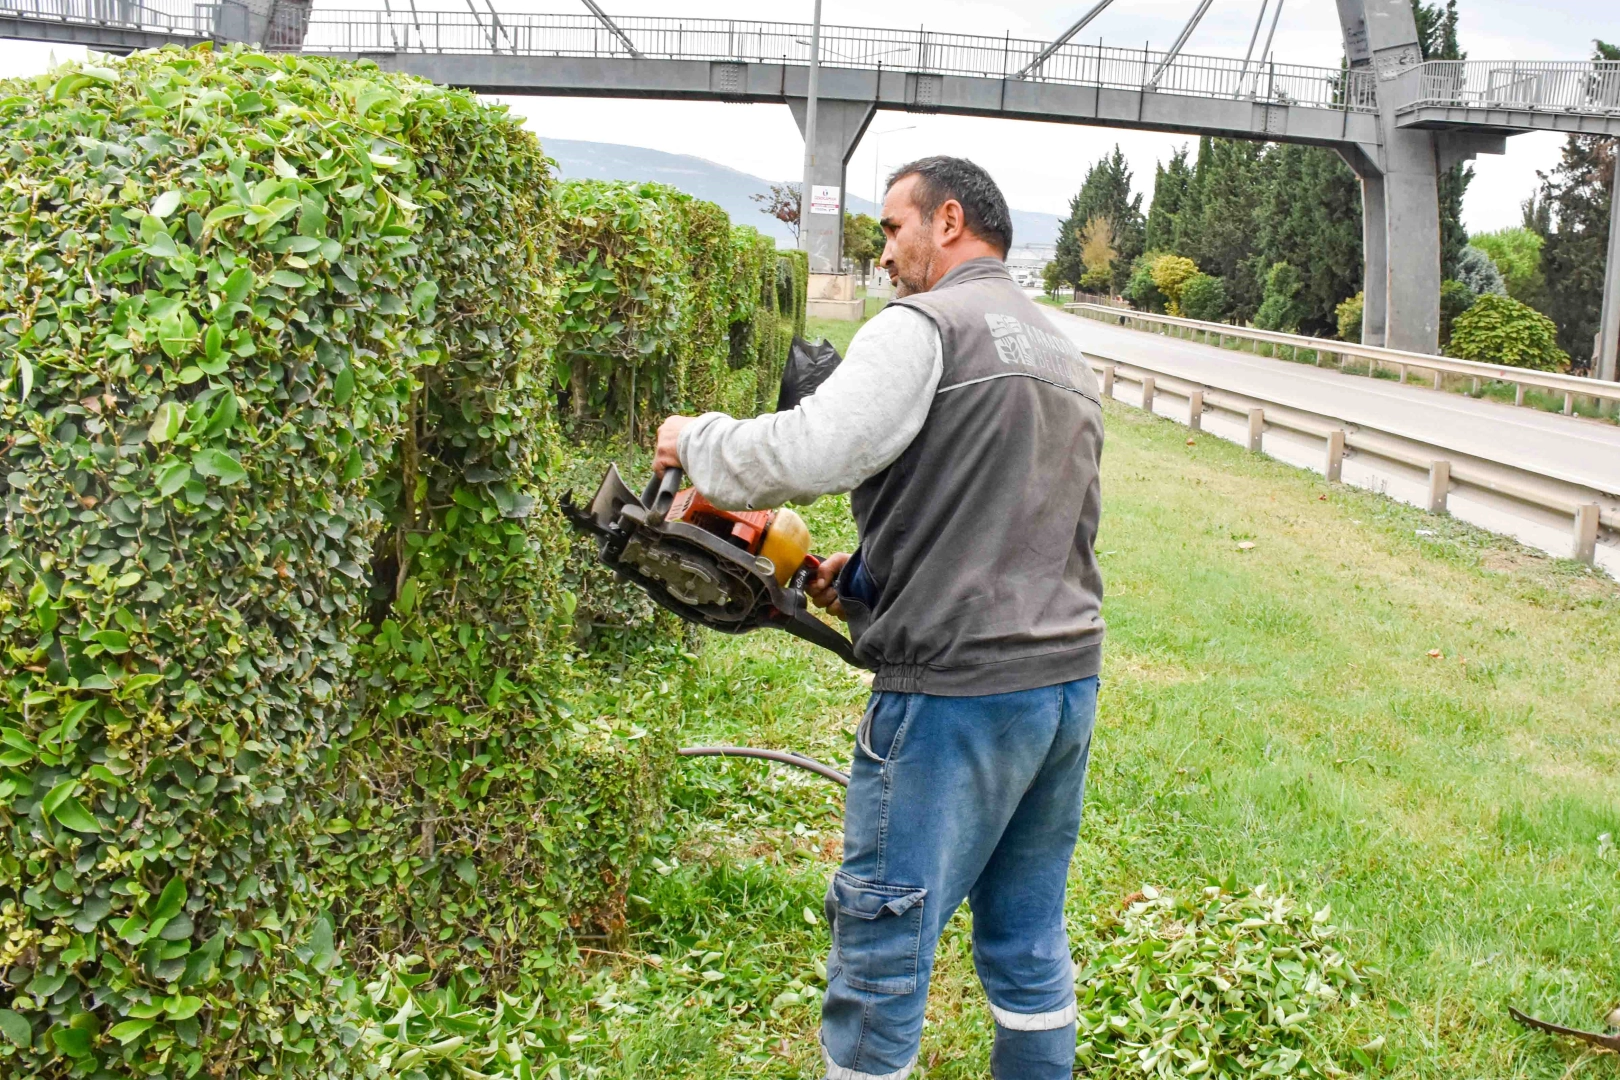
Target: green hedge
<point>291,677</point>
<point>665,306</point>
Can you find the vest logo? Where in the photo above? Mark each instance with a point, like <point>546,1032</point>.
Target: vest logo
<point>1012,344</point>
<point>1032,347</point>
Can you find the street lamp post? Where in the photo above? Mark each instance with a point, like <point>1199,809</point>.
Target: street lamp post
<point>877,193</point>
<point>805,189</point>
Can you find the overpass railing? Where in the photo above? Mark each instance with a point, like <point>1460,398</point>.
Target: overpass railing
<point>529,34</point>
<point>742,40</point>
<point>1585,87</point>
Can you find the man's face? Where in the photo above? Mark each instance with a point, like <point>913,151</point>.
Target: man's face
<point>912,248</point>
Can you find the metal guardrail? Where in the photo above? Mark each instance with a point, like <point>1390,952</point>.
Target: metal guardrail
<point>1570,386</point>
<point>419,30</point>
<point>1589,509</point>
<point>1588,87</point>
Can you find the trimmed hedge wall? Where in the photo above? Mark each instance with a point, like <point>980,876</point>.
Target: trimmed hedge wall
<point>666,307</point>
<point>292,680</point>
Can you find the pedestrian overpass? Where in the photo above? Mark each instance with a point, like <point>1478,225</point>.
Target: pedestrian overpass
<point>1396,120</point>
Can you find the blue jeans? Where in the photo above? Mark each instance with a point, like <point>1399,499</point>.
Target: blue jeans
<point>954,798</point>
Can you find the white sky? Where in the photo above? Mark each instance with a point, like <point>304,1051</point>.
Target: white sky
<point>1039,165</point>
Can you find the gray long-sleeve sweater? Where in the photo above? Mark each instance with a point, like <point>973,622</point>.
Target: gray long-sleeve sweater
<point>852,428</point>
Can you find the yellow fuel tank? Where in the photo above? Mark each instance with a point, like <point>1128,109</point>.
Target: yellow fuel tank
<point>786,543</point>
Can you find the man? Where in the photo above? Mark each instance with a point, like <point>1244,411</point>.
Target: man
<point>969,432</point>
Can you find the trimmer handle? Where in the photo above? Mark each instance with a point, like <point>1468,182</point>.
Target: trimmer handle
<point>660,494</point>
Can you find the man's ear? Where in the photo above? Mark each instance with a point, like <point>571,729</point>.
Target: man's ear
<point>952,221</point>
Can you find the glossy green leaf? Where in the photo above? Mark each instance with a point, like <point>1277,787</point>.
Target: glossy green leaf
<point>222,465</point>
<point>73,814</point>
<point>16,1029</point>
<point>165,204</point>
<point>165,422</point>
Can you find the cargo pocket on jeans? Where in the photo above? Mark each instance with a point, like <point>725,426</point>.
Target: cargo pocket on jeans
<point>877,933</point>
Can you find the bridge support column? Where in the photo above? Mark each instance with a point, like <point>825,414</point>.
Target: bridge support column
<point>1399,184</point>
<point>839,127</point>
<point>1375,248</point>
<point>278,24</point>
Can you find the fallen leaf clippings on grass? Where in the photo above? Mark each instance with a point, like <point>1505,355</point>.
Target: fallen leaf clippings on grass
<point>1436,654</point>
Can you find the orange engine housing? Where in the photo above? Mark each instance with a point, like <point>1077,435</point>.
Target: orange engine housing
<point>780,535</point>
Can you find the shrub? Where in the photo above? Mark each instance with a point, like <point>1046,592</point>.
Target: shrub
<point>1455,298</point>
<point>1281,308</point>
<point>285,602</point>
<point>1476,270</point>
<point>1204,297</point>
<point>1349,317</point>
<point>209,301</point>
<point>1140,290</point>
<point>1170,273</point>
<point>1500,330</point>
<point>665,306</point>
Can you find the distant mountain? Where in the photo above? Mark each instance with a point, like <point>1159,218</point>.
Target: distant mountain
<point>728,188</point>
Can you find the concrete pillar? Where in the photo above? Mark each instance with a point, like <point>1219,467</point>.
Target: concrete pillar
<point>839,127</point>
<point>1400,199</point>
<point>1609,323</point>
<point>280,24</point>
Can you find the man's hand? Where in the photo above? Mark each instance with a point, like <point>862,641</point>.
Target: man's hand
<point>668,453</point>
<point>821,588</point>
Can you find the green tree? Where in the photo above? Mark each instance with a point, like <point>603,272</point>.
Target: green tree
<point>1309,216</point>
<point>1170,184</point>
<point>1105,193</point>
<point>1051,279</point>
<point>1217,223</point>
<point>1139,288</point>
<point>1281,309</point>
<point>1203,297</point>
<point>863,240</point>
<point>1574,216</point>
<point>1517,255</point>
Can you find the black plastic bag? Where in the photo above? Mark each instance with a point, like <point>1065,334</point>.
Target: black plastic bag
<point>807,368</point>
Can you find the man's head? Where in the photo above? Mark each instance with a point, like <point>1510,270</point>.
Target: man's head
<point>939,213</point>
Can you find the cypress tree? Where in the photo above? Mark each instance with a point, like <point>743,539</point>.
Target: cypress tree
<point>1310,218</point>
<point>1572,215</point>
<point>1106,193</point>
<point>1216,226</point>
<point>1170,184</point>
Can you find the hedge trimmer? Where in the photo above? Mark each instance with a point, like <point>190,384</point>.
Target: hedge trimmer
<point>732,571</point>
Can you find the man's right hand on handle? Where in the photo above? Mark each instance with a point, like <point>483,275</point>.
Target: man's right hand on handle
<point>822,589</point>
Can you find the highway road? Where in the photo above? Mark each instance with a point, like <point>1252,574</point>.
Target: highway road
<point>1581,451</point>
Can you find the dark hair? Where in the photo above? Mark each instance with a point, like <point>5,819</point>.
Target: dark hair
<point>940,178</point>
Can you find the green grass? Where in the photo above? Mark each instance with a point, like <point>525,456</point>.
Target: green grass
<point>1272,714</point>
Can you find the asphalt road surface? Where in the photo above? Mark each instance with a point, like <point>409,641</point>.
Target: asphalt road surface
<point>1581,451</point>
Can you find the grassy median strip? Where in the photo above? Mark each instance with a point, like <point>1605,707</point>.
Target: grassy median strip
<point>1301,690</point>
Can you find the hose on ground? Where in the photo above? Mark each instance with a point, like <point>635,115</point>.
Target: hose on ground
<point>798,761</point>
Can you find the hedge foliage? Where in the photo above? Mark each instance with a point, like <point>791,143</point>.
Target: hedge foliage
<point>291,680</point>
<point>666,306</point>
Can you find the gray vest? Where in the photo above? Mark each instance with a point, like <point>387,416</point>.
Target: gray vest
<point>977,570</point>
